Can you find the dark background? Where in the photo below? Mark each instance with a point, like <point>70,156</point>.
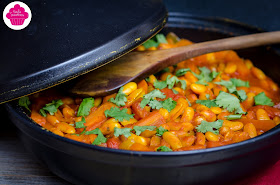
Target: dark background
<point>261,13</point>
<point>18,167</point>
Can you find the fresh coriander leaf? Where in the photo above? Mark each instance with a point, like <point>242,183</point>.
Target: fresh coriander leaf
<point>144,102</point>
<point>84,131</point>
<point>122,131</point>
<point>204,74</point>
<point>161,38</point>
<point>160,131</point>
<point>241,94</point>
<point>174,91</point>
<point>154,94</point>
<point>214,74</point>
<point>182,72</point>
<point>100,137</point>
<point>235,116</point>
<point>120,98</point>
<point>210,126</point>
<point>148,97</point>
<point>43,113</point>
<point>51,107</point>
<point>118,114</point>
<point>165,70</point>
<point>207,103</point>
<point>139,129</point>
<point>80,124</point>
<point>164,149</point>
<point>239,83</point>
<point>229,102</point>
<point>169,104</point>
<point>24,102</point>
<point>162,71</point>
<point>147,79</point>
<point>189,102</point>
<point>228,84</point>
<point>85,107</point>
<point>171,81</point>
<point>202,82</point>
<point>239,111</point>
<point>150,43</point>
<point>207,96</point>
<point>183,84</point>
<point>154,104</point>
<point>160,85</point>
<point>262,99</point>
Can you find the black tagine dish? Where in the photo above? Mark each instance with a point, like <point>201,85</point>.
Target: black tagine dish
<point>80,163</point>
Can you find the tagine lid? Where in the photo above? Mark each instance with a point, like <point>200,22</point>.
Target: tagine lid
<point>68,38</point>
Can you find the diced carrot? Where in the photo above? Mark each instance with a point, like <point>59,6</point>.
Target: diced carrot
<point>96,118</point>
<point>154,119</point>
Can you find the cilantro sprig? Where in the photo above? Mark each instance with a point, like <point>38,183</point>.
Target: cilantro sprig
<point>139,129</point>
<point>262,99</point>
<point>155,41</point>
<point>210,126</point>
<point>205,75</point>
<point>85,107</point>
<point>118,114</point>
<point>100,137</point>
<point>239,83</point>
<point>208,103</point>
<point>234,116</point>
<point>147,98</point>
<point>160,131</point>
<point>80,124</point>
<point>122,131</point>
<point>120,98</point>
<point>127,131</point>
<point>167,104</point>
<point>170,82</point>
<point>51,108</point>
<point>231,86</point>
<point>229,102</point>
<point>24,102</point>
<point>164,149</point>
<point>183,71</point>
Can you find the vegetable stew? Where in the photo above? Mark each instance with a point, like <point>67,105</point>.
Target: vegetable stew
<point>207,101</point>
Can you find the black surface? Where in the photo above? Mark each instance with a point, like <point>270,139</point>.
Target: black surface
<point>65,39</point>
<point>87,164</point>
<point>261,13</point>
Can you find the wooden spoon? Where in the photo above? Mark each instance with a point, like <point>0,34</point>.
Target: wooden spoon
<point>135,66</point>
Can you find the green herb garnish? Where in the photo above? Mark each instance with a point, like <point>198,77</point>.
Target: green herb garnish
<point>85,107</point>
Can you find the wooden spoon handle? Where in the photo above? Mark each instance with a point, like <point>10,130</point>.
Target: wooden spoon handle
<point>137,65</point>
<point>240,42</point>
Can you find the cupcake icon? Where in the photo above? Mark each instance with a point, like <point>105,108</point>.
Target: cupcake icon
<point>17,15</point>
